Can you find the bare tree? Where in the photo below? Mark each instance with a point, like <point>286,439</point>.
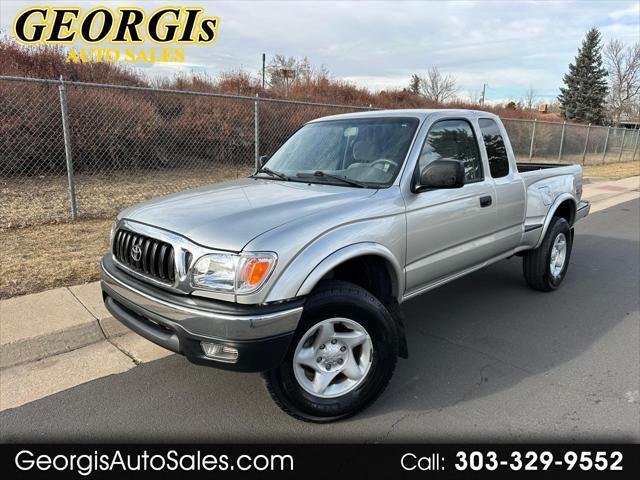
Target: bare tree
<point>623,64</point>
<point>283,70</point>
<point>553,106</point>
<point>475,96</point>
<point>529,98</point>
<point>436,87</point>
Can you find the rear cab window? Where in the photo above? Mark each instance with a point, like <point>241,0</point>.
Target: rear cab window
<point>495,147</point>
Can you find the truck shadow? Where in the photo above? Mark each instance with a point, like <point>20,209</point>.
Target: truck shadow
<point>488,331</point>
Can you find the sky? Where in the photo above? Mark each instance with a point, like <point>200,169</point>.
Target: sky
<point>511,46</point>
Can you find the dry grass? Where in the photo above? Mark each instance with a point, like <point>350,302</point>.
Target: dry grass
<point>42,257</point>
<point>38,253</point>
<point>42,250</point>
<point>31,201</point>
<point>613,171</point>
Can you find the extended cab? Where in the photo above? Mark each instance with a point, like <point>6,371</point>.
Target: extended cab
<point>298,271</point>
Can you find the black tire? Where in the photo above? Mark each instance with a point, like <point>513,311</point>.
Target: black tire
<point>332,299</point>
<point>536,263</point>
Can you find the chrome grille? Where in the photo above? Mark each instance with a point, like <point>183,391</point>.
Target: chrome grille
<point>145,255</point>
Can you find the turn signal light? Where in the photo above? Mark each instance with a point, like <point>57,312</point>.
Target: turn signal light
<point>253,271</point>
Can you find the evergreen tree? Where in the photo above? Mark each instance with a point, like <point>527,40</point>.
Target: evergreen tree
<point>584,95</point>
<point>414,85</point>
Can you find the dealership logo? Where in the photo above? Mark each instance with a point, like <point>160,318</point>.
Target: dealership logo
<point>136,253</point>
<point>167,27</point>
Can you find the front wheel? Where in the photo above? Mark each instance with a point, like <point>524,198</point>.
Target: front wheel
<point>341,358</point>
<point>546,266</point>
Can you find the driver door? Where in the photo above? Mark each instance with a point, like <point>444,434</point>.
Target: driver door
<point>449,230</point>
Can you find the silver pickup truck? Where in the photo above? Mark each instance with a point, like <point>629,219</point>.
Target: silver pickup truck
<point>298,271</point>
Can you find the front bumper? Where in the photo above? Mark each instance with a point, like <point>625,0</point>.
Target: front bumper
<point>260,333</point>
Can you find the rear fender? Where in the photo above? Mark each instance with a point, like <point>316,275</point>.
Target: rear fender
<point>550,214</point>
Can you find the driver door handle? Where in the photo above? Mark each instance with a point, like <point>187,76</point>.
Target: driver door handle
<point>485,201</point>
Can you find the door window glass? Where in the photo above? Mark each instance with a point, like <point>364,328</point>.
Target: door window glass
<point>453,140</point>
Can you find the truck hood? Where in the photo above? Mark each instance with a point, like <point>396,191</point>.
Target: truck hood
<point>229,215</point>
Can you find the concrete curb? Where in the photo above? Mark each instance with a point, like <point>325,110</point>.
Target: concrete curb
<point>61,341</point>
<point>37,326</point>
<point>54,343</point>
<point>591,180</point>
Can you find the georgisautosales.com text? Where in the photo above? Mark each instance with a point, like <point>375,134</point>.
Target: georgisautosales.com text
<point>87,464</point>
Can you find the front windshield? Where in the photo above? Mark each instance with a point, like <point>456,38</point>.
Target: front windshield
<point>369,151</point>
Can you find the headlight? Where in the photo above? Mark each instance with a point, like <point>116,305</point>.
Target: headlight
<point>216,271</point>
<point>232,273</point>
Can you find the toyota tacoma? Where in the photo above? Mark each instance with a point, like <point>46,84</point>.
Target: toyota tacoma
<point>299,270</point>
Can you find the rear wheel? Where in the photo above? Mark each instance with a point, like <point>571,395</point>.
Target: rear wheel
<point>546,266</point>
<point>341,358</point>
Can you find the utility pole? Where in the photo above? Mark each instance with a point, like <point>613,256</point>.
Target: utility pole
<point>264,57</point>
<point>484,91</point>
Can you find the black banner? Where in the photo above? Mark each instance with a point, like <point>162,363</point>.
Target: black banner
<point>334,461</point>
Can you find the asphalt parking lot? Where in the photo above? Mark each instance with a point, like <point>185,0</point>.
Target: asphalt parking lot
<point>489,360</point>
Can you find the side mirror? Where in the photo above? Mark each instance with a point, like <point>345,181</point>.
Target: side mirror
<point>262,159</point>
<point>443,173</point>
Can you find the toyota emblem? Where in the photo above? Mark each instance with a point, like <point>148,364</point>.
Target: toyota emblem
<point>136,253</point>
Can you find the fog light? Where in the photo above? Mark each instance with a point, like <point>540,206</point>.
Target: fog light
<point>220,352</point>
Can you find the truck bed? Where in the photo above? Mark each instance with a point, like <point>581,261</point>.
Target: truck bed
<point>545,184</point>
<point>528,167</point>
<point>534,173</point>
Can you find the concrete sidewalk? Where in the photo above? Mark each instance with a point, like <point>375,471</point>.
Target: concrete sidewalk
<point>58,322</point>
<point>607,193</point>
<point>60,338</point>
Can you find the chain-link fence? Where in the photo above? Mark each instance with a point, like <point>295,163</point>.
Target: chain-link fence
<point>557,142</point>
<point>71,148</point>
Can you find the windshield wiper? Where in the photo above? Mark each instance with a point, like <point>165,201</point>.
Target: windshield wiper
<point>321,174</point>
<point>273,173</point>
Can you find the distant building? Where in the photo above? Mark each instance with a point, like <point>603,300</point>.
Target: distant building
<point>628,120</point>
